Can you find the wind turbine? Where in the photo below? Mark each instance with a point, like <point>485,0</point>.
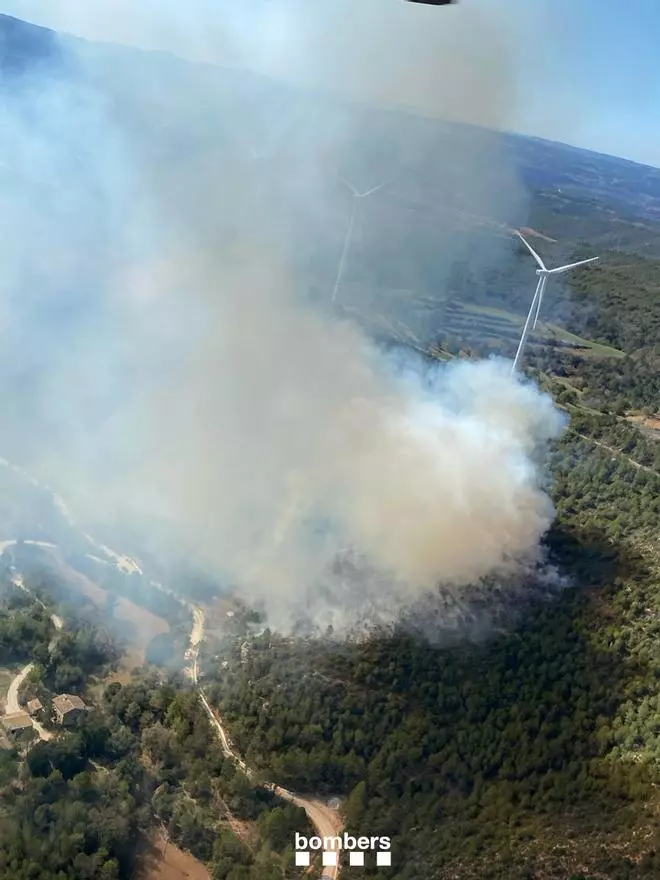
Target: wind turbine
<point>544,273</point>
<point>349,232</point>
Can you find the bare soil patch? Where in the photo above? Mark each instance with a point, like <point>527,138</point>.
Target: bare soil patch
<point>6,676</point>
<point>134,623</point>
<point>143,625</point>
<point>534,233</point>
<point>161,862</point>
<point>648,424</point>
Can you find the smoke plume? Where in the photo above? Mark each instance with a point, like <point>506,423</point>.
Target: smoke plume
<point>168,364</point>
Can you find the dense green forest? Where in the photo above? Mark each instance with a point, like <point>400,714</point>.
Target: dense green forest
<point>617,304</point>
<point>78,806</point>
<point>25,628</point>
<point>63,661</point>
<point>82,804</point>
<point>533,754</point>
<point>536,753</point>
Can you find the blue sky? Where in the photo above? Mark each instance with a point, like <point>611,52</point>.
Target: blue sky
<point>586,72</point>
<point>598,75</point>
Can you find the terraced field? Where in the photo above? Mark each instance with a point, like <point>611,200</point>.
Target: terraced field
<point>496,324</point>
<point>424,322</point>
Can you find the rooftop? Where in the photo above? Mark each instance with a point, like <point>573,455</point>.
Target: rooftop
<point>67,702</point>
<point>16,721</point>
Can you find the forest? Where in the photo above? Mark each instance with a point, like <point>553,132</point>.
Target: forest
<point>536,750</point>
<point>534,754</point>
<point>530,754</point>
<point>81,806</point>
<point>62,661</point>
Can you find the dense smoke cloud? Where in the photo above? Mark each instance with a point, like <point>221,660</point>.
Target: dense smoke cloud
<point>306,441</point>
<point>180,372</point>
<point>457,62</point>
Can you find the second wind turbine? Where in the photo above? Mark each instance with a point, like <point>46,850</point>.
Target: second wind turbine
<point>349,232</point>
<point>544,273</point>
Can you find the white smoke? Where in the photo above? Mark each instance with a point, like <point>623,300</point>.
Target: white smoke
<point>276,438</point>
<point>197,386</point>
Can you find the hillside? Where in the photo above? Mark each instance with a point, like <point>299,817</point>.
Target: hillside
<point>436,231</point>
<point>24,46</point>
<point>532,752</point>
<point>426,248</point>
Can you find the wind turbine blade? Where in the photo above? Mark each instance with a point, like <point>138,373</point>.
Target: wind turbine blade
<point>373,189</point>
<point>531,250</point>
<point>561,269</point>
<point>349,186</point>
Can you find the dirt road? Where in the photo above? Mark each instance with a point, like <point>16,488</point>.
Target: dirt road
<point>12,693</point>
<point>13,704</point>
<point>325,820</point>
<point>615,452</point>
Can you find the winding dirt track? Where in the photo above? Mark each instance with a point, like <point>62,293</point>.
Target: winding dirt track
<point>13,704</point>
<point>326,821</point>
<point>12,693</point>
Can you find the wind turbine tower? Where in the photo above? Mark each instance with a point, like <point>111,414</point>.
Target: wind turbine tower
<point>543,273</point>
<point>349,231</point>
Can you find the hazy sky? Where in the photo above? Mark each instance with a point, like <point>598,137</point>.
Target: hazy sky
<point>587,72</point>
